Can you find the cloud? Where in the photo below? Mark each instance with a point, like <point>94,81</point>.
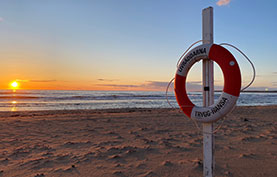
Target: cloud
<point>42,80</point>
<point>155,84</point>
<point>121,86</point>
<point>1,19</point>
<point>223,2</point>
<point>191,86</point>
<point>106,80</point>
<point>194,86</point>
<point>158,85</point>
<point>21,80</point>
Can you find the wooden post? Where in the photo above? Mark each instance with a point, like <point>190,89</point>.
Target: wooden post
<point>208,94</point>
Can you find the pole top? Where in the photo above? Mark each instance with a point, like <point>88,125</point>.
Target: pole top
<point>207,25</point>
<point>208,8</point>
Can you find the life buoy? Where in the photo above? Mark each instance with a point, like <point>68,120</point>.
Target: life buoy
<point>232,83</point>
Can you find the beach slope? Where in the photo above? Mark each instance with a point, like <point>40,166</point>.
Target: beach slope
<point>134,142</point>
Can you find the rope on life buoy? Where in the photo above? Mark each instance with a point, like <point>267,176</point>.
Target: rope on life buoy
<point>252,65</point>
<point>241,90</point>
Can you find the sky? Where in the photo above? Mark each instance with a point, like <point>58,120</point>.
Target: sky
<point>128,44</point>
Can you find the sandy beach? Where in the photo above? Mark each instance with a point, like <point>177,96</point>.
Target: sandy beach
<point>134,142</point>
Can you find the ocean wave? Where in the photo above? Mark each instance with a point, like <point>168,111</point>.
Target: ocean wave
<point>18,97</point>
<point>107,97</point>
<point>59,100</point>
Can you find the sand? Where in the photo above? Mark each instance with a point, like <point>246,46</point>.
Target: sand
<point>134,142</point>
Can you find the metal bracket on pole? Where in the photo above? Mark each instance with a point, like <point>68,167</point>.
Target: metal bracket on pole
<point>208,94</point>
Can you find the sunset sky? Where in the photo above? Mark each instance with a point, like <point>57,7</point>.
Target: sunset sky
<point>127,44</point>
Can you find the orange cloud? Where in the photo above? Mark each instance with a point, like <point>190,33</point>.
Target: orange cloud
<point>223,2</point>
<point>149,85</point>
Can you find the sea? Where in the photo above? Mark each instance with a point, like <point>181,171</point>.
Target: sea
<point>34,100</point>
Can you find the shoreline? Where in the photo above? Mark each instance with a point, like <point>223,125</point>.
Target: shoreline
<point>117,109</point>
<point>134,142</point>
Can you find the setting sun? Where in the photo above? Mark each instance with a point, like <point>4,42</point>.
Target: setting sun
<point>14,85</point>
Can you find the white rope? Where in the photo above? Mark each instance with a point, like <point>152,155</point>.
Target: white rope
<point>245,56</point>
<point>217,128</point>
<point>182,56</point>
<point>223,119</point>
<point>177,65</point>
<point>166,93</point>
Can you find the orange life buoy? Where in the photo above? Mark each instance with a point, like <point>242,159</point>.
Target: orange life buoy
<point>232,83</point>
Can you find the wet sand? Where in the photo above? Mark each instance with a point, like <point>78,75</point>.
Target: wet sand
<point>134,142</point>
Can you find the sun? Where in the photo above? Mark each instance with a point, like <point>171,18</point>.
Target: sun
<point>14,85</point>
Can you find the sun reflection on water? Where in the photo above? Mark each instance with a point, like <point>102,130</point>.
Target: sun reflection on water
<point>14,108</point>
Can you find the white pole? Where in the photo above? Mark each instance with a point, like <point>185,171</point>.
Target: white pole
<point>208,94</point>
